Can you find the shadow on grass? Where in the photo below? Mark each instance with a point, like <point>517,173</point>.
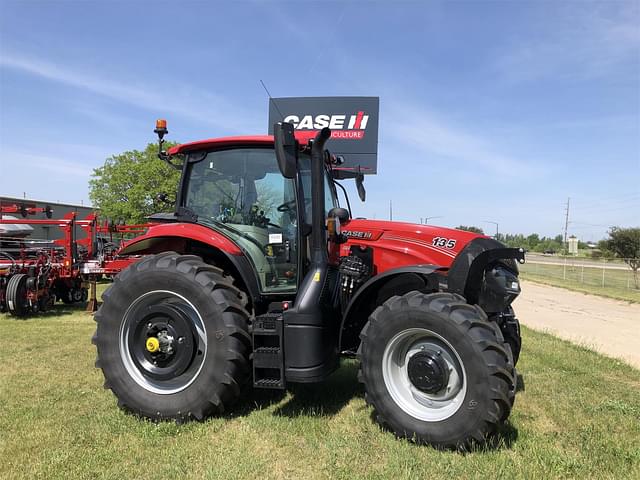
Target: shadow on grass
<point>54,311</point>
<point>330,397</point>
<point>324,399</point>
<point>503,438</point>
<point>318,399</point>
<point>254,399</point>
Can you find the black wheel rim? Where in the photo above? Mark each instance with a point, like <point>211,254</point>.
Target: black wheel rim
<point>180,341</point>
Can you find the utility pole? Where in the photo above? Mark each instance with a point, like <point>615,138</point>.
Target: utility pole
<point>426,219</point>
<point>566,221</point>
<point>390,210</point>
<point>496,224</point>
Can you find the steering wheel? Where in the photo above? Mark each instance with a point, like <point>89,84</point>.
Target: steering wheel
<point>287,206</point>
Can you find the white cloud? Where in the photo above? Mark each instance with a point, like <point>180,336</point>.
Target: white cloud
<point>427,132</point>
<point>203,107</point>
<point>585,41</point>
<point>30,162</point>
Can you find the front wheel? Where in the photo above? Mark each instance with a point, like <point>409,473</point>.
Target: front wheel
<point>435,370</point>
<point>172,338</point>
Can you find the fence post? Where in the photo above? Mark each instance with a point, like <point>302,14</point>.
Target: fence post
<point>564,269</point>
<point>604,265</point>
<point>582,273</point>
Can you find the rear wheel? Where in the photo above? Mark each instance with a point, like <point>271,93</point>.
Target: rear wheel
<point>172,338</point>
<point>17,295</point>
<point>435,370</point>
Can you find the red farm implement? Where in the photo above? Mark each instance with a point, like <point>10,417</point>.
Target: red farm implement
<point>35,273</point>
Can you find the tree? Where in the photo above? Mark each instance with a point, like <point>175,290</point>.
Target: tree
<point>127,185</point>
<point>624,243</point>
<point>533,240</point>
<point>471,229</point>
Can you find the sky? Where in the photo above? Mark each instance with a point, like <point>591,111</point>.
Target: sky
<point>490,111</point>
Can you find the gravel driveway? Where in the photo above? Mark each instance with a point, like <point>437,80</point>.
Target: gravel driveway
<point>609,326</point>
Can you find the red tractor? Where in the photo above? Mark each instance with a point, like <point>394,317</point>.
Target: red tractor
<point>260,277</point>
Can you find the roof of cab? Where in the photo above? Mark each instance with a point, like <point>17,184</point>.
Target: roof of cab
<point>244,141</point>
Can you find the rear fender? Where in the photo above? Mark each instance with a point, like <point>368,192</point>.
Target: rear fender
<point>179,232</point>
<point>194,239</point>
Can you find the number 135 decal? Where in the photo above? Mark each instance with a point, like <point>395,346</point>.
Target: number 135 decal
<point>444,242</point>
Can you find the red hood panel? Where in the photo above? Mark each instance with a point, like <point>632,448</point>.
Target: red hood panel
<point>397,244</point>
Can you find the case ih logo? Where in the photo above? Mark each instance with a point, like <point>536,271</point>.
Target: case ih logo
<point>353,122</point>
<point>358,234</point>
<point>348,127</point>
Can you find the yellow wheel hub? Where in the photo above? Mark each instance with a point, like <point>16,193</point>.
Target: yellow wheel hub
<point>152,344</point>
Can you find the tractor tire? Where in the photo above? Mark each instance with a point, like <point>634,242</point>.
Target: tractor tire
<point>64,293</point>
<point>17,300</point>
<point>172,338</point>
<point>78,294</point>
<point>436,370</point>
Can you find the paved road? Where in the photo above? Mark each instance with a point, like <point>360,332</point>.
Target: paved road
<point>609,326</point>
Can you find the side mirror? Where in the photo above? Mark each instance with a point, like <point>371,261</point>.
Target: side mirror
<point>362,193</point>
<point>286,149</point>
<point>341,214</point>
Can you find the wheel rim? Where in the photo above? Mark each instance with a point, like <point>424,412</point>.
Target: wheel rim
<point>76,294</point>
<point>174,358</point>
<point>424,374</point>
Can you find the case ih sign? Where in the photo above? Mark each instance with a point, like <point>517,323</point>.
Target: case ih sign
<point>353,122</point>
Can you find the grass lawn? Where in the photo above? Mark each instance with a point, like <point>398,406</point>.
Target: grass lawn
<point>579,416</point>
<point>618,283</point>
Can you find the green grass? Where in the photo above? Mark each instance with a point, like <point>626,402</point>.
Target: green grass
<point>579,416</point>
<point>618,284</point>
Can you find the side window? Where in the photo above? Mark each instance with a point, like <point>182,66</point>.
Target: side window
<point>242,194</point>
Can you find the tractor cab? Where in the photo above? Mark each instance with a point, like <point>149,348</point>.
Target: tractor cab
<point>239,191</point>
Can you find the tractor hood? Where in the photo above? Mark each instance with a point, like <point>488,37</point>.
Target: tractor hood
<point>398,244</point>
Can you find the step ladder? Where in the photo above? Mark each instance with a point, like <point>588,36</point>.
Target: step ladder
<point>268,351</point>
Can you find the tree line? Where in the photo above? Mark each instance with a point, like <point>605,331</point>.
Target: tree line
<point>135,184</point>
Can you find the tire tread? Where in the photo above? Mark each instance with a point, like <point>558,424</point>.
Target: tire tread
<point>485,334</point>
